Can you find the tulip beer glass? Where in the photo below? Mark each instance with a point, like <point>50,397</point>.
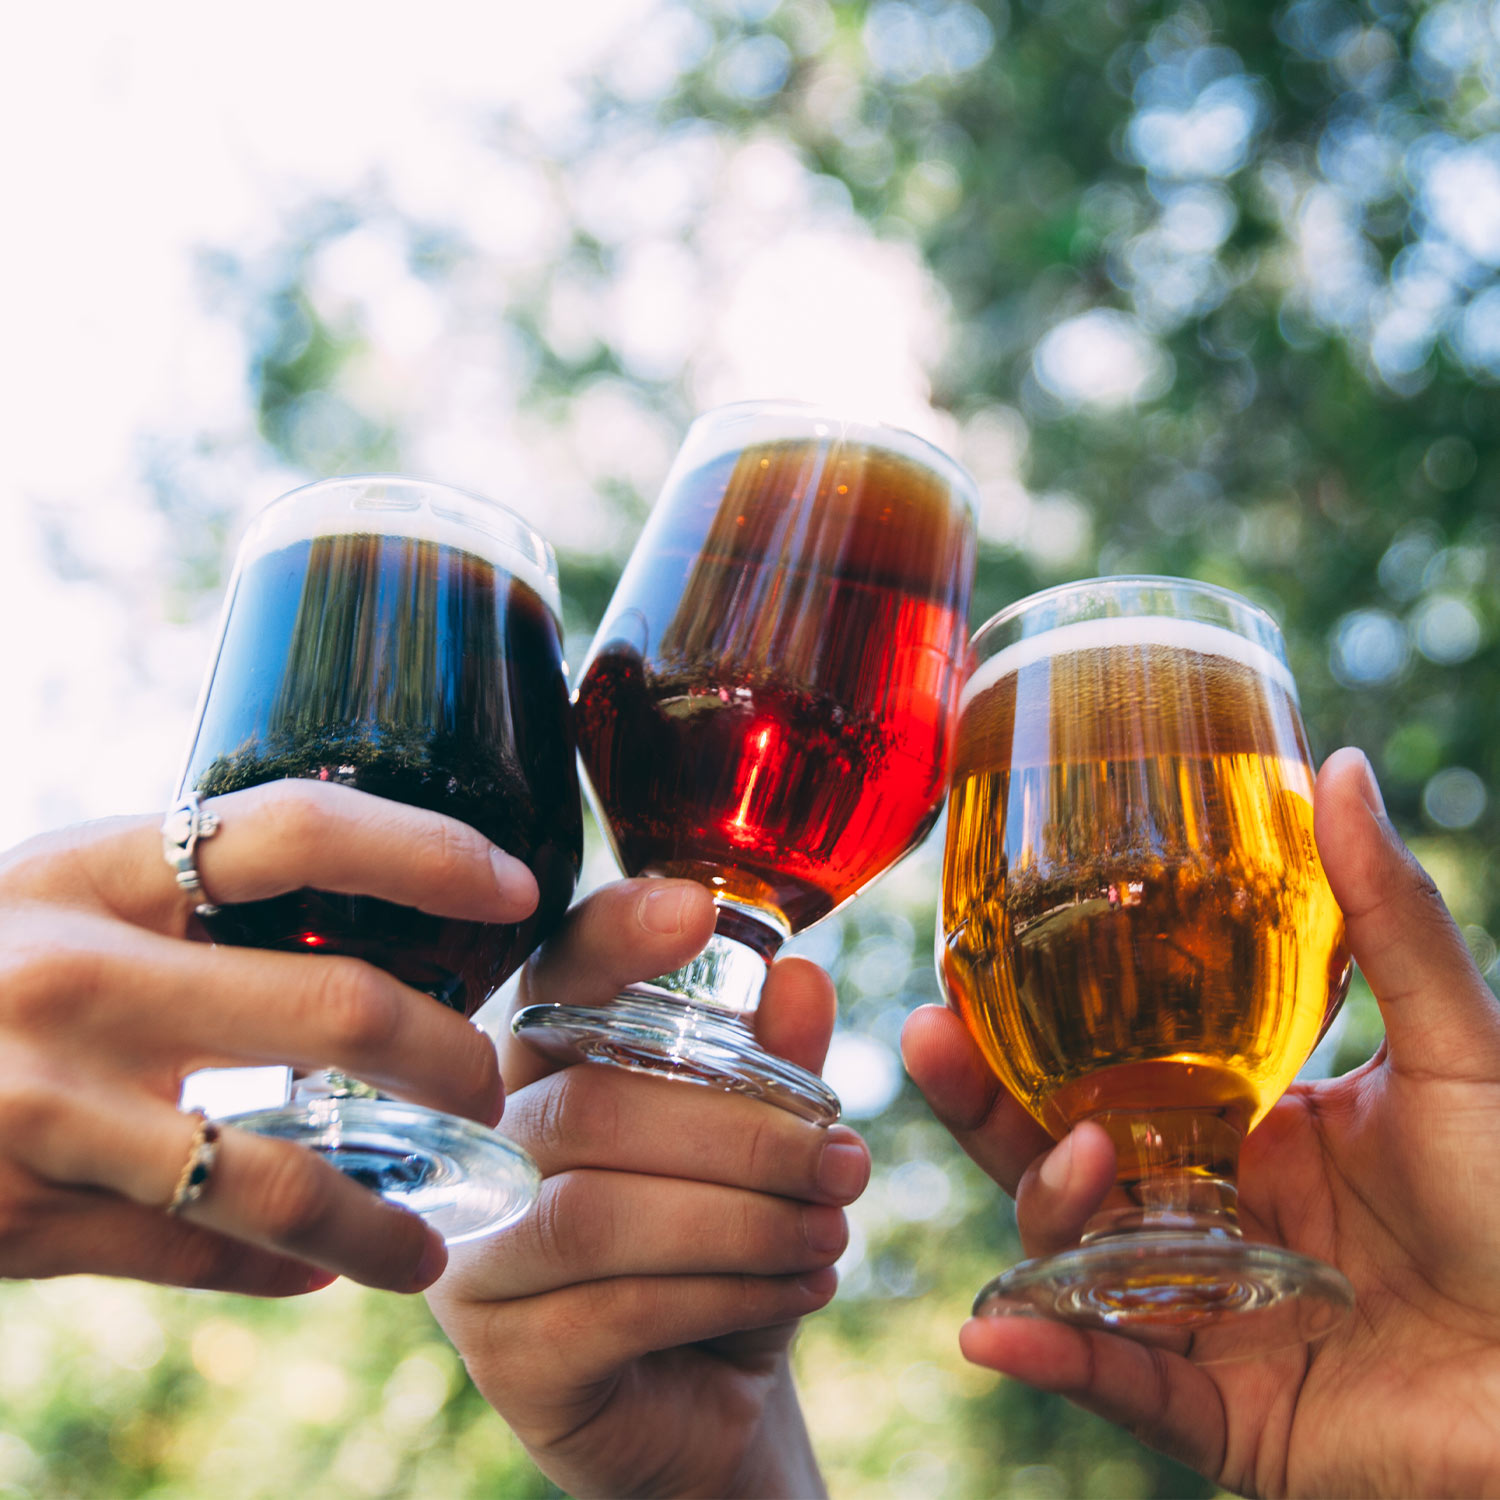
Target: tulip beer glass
<point>402,638</point>
<point>1137,930</point>
<point>767,708</point>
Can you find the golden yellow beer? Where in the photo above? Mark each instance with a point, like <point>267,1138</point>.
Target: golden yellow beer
<point>1136,926</point>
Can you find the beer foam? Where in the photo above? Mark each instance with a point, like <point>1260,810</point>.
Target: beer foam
<point>464,526</point>
<point>1128,631</point>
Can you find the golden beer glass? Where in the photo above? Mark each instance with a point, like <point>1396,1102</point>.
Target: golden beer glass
<point>1137,930</point>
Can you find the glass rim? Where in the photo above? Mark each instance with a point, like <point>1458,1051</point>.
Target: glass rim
<point>514,531</point>
<point>1122,580</point>
<point>913,443</point>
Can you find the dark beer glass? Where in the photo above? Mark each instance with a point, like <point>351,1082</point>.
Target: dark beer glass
<point>1137,930</point>
<point>402,638</point>
<point>767,709</point>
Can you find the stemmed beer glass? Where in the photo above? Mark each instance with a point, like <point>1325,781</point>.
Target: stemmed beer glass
<point>402,638</point>
<point>767,709</point>
<point>1137,930</point>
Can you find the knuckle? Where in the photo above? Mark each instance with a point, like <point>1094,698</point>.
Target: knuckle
<point>775,1237</point>
<point>764,1151</point>
<point>1425,891</point>
<point>445,851</point>
<point>582,1232</point>
<point>556,1237</point>
<point>295,816</point>
<point>564,1118</point>
<point>291,1196</point>
<point>359,1008</point>
<point>37,980</point>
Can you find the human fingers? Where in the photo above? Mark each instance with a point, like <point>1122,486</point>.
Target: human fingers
<point>588,1117</point>
<point>588,1331</point>
<point>627,931</point>
<point>284,835</point>
<point>593,1226</point>
<point>796,1014</point>
<point>65,1231</point>
<point>1439,1014</point>
<point>268,1193</point>
<point>1062,1188</point>
<point>129,994</point>
<point>964,1094</point>
<point>1157,1396</point>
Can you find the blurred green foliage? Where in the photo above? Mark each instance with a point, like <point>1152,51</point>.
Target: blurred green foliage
<point>1289,218</point>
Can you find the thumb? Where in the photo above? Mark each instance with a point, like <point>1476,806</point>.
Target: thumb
<point>1440,1015</point>
<point>796,1014</point>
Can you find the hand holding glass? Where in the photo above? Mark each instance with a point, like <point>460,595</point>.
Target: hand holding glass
<point>1137,930</point>
<point>401,638</point>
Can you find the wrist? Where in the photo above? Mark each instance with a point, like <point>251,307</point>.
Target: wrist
<point>779,1462</point>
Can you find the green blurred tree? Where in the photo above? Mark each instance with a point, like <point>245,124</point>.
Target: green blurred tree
<point>1222,299</point>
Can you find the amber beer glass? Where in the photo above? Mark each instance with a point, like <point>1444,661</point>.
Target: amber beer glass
<point>767,708</point>
<point>1137,930</point>
<point>402,638</point>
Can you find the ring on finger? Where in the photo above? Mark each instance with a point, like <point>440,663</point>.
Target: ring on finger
<point>181,832</point>
<point>198,1169</point>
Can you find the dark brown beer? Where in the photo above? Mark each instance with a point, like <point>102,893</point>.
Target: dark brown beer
<point>1136,924</point>
<point>415,671</point>
<point>769,701</point>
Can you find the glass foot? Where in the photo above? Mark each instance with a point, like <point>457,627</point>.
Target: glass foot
<point>674,1040</point>
<point>463,1178</point>
<point>1209,1299</point>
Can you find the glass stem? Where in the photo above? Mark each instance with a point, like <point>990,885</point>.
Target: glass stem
<point>1175,1171</point>
<point>730,972</point>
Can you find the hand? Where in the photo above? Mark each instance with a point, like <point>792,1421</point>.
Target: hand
<point>1391,1173</point>
<point>104,1008</point>
<point>633,1330</point>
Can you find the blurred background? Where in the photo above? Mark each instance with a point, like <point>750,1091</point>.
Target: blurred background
<point>1193,288</point>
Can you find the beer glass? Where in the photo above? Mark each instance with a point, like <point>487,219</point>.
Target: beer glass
<point>767,709</point>
<point>1137,930</point>
<point>402,638</point>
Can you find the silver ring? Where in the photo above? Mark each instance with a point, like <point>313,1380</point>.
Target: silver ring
<point>181,832</point>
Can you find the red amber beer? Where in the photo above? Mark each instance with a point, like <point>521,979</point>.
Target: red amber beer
<point>767,708</point>
<point>783,736</point>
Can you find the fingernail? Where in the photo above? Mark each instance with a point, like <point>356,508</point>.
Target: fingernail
<point>661,911</point>
<point>820,1284</point>
<point>844,1167</point>
<point>432,1264</point>
<point>824,1228</point>
<point>1369,788</point>
<point>1057,1167</point>
<point>512,877</point>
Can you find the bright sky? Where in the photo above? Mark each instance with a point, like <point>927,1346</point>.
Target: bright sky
<point>136,137</point>
<point>133,136</point>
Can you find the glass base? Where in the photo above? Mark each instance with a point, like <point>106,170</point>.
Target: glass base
<point>462,1178</point>
<point>670,1039</point>
<point>1210,1299</point>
